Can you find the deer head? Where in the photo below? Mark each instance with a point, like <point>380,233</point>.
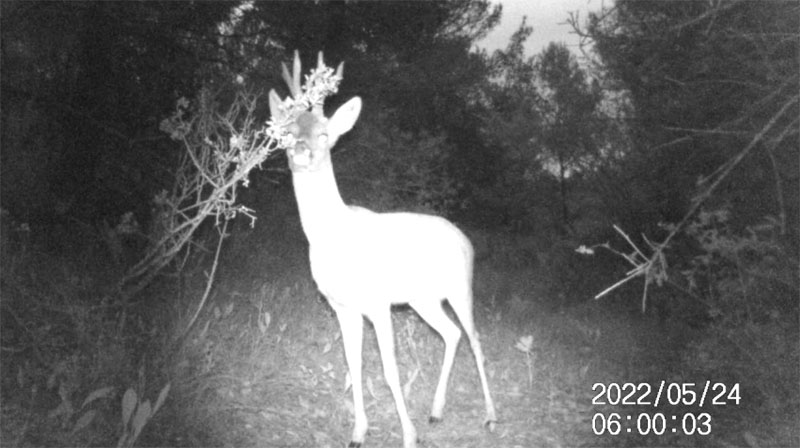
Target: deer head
<point>314,134</point>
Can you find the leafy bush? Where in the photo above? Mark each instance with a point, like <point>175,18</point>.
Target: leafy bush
<point>749,281</point>
<point>744,276</point>
<point>62,348</point>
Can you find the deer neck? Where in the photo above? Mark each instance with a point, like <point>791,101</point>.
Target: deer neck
<point>322,210</point>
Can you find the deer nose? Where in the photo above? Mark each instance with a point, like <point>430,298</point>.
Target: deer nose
<point>300,155</point>
<point>301,145</point>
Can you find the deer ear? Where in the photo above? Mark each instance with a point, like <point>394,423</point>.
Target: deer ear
<point>274,102</point>
<point>345,117</point>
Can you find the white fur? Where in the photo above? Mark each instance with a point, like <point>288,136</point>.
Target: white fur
<point>363,262</point>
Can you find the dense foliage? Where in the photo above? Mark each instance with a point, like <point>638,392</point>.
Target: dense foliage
<point>705,81</point>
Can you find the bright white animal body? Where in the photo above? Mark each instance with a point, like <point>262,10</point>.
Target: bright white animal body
<point>363,262</point>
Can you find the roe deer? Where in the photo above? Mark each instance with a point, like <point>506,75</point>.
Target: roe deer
<point>363,262</point>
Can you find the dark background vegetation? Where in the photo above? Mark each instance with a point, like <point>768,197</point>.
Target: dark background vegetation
<point>680,123</point>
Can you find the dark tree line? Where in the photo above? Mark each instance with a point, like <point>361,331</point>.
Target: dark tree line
<point>546,144</point>
<point>84,86</point>
<point>704,80</point>
<point>96,79</point>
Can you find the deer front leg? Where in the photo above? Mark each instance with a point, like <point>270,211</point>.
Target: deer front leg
<point>382,321</point>
<point>352,326</point>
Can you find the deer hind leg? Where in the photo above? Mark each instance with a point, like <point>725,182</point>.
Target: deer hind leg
<point>434,315</point>
<point>352,326</point>
<point>382,321</point>
<point>462,305</point>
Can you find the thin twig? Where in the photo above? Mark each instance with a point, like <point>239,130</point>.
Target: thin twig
<point>210,280</point>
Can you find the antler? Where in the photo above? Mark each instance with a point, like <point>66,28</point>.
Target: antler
<point>293,79</point>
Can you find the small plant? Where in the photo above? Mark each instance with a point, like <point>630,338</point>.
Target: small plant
<point>65,378</point>
<point>136,414</point>
<point>87,417</point>
<point>223,143</point>
<point>525,345</point>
